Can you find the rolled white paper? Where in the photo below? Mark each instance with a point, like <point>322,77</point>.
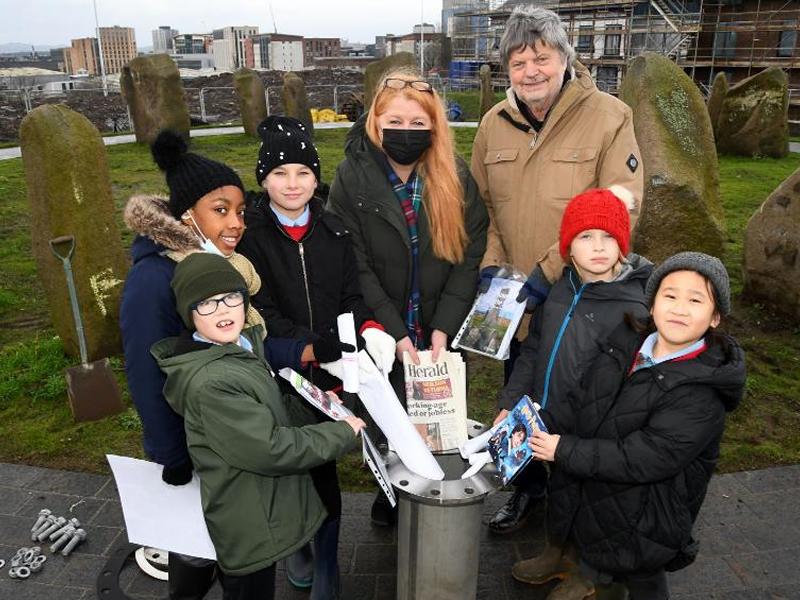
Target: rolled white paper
<point>347,335</point>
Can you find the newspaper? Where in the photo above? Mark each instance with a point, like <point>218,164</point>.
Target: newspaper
<point>436,399</point>
<point>510,444</point>
<point>493,320</point>
<point>323,402</point>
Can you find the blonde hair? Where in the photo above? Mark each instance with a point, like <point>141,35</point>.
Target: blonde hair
<point>443,194</point>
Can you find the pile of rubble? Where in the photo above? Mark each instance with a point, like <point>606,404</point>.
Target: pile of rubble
<point>219,102</point>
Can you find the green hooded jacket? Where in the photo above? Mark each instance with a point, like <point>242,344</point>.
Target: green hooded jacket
<point>248,449</point>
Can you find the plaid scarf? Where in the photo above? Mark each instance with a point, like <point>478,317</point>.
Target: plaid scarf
<point>409,195</point>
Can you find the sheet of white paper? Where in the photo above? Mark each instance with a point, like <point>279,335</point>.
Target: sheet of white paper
<point>159,515</point>
<point>347,335</point>
<point>380,400</point>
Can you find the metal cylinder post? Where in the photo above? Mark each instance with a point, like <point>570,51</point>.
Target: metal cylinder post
<point>438,529</point>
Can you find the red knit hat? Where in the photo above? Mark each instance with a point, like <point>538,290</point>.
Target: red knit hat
<point>597,209</point>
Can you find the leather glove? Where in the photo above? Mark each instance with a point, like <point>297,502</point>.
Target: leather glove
<point>329,349</point>
<point>381,347</point>
<point>535,290</point>
<point>485,278</point>
<point>178,475</point>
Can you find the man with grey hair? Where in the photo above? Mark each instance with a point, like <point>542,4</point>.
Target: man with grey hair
<point>554,136</point>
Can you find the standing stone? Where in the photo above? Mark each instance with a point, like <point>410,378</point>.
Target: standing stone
<point>295,100</point>
<point>69,192</point>
<point>487,92</point>
<point>754,117</point>
<point>681,207</point>
<point>772,251</point>
<point>252,100</point>
<point>151,85</point>
<point>376,70</point>
<point>715,99</point>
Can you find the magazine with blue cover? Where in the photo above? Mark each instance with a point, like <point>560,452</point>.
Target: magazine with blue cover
<point>510,443</point>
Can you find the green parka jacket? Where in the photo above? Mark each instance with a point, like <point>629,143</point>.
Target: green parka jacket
<point>363,197</point>
<point>247,448</point>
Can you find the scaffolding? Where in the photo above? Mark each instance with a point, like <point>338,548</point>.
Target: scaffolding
<point>704,37</point>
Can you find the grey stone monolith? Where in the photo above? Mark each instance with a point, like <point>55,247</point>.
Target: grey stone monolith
<point>376,70</point>
<point>295,100</point>
<point>772,251</point>
<point>252,100</point>
<point>69,193</point>
<point>487,92</point>
<point>681,207</point>
<point>719,89</point>
<point>754,116</point>
<point>151,85</point>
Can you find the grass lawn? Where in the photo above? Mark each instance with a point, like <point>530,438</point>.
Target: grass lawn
<point>36,426</point>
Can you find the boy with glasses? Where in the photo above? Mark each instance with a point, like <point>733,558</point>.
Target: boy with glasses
<point>244,438</point>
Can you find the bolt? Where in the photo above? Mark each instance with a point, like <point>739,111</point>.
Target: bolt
<point>43,514</point>
<point>77,538</point>
<point>48,521</point>
<point>63,539</point>
<point>59,523</point>
<point>74,523</point>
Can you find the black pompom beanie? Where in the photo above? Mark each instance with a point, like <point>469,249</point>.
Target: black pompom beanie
<point>189,176</point>
<point>285,140</point>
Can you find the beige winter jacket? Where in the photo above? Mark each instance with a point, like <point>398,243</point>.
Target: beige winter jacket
<point>526,179</point>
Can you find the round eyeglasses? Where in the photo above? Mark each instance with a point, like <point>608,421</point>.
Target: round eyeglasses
<point>210,306</point>
<point>417,84</point>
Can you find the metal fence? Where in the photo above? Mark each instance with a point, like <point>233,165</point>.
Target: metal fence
<point>108,111</point>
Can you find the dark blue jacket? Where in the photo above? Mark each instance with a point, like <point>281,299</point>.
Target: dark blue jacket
<point>147,315</point>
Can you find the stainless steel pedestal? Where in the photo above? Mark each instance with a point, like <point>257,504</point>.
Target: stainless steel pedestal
<point>438,530</point>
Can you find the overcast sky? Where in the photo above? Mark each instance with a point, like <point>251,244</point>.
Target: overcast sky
<point>55,22</point>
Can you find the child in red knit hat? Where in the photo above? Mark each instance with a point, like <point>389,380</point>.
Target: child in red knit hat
<point>600,284</point>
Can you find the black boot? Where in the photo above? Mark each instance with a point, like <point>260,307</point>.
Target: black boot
<point>514,513</point>
<point>188,581</point>
<point>326,561</point>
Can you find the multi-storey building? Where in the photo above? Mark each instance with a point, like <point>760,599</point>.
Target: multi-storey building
<point>232,52</point>
<point>276,51</point>
<point>704,37</point>
<point>192,43</point>
<point>162,39</point>
<point>321,48</point>
<point>83,56</point>
<point>119,47</point>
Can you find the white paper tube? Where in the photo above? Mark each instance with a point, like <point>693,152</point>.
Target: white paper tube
<point>347,335</point>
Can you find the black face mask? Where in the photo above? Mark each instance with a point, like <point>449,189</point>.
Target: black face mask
<point>405,146</point>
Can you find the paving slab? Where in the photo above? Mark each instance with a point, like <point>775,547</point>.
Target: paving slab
<point>749,532</point>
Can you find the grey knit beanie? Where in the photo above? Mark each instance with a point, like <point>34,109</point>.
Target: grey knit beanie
<point>710,266</point>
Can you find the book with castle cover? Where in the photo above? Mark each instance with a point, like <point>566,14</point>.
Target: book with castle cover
<point>510,443</point>
<point>436,399</point>
<point>493,320</point>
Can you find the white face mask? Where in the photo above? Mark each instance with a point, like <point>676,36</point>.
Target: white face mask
<point>206,244</point>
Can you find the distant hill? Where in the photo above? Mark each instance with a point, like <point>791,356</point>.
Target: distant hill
<point>13,47</point>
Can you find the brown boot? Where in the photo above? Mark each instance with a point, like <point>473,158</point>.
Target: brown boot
<point>573,587</point>
<point>551,564</point>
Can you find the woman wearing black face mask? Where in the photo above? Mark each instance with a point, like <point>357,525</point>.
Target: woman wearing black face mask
<point>418,222</point>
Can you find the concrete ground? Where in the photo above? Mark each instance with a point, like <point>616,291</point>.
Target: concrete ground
<point>749,530</point>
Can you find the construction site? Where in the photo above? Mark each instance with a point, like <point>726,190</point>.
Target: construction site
<point>704,37</point>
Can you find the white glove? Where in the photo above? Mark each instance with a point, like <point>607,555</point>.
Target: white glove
<point>334,368</point>
<point>365,366</point>
<point>381,347</point>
